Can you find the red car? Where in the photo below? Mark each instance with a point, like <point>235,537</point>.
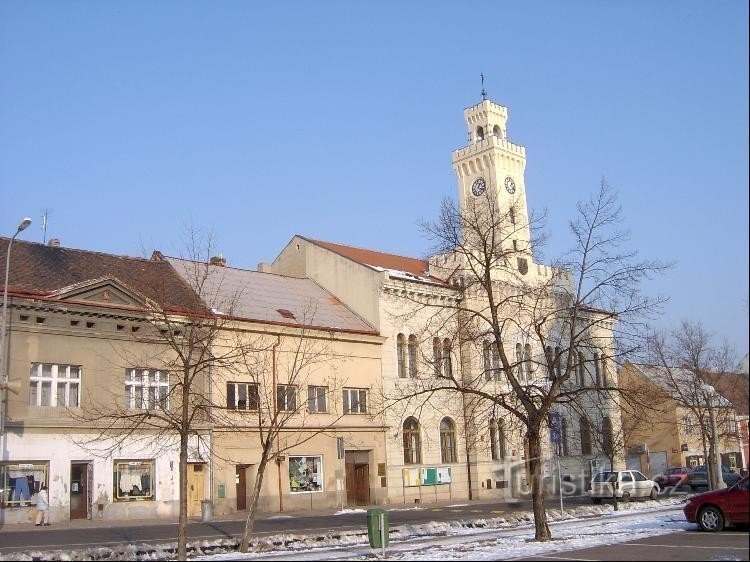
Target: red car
<point>713,510</point>
<point>673,477</point>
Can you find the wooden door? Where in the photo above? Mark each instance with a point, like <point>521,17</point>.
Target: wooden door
<point>357,483</point>
<point>241,482</point>
<point>196,488</point>
<point>79,491</point>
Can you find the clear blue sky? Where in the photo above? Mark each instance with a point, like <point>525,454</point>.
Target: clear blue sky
<point>336,120</point>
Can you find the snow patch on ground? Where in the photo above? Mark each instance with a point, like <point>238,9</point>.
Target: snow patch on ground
<point>348,511</point>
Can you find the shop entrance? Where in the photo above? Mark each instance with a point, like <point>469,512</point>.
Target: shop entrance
<point>80,490</point>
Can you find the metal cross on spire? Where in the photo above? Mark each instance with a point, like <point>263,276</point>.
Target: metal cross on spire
<point>484,93</point>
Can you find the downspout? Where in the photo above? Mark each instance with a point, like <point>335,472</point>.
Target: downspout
<point>275,413</point>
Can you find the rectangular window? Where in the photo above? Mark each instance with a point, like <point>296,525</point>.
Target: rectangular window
<point>355,401</point>
<point>20,482</point>
<point>55,385</point>
<point>133,480</point>
<point>242,396</point>
<point>146,389</point>
<point>316,398</point>
<point>305,474</point>
<point>286,397</point>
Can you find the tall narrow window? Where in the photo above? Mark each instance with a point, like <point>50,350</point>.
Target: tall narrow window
<point>607,437</point>
<point>500,440</point>
<point>412,442</point>
<point>558,362</point>
<point>519,363</point>
<point>580,370</point>
<point>597,373</point>
<point>528,364</point>
<point>447,441</point>
<point>447,361</point>
<point>401,355</point>
<point>486,362</point>
<point>495,361</point>
<point>437,357</point>
<point>413,356</point>
<point>549,358</point>
<point>493,439</point>
<point>585,436</point>
<point>564,437</point>
<point>604,370</point>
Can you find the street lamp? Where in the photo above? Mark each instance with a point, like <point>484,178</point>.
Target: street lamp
<point>710,392</point>
<point>23,225</point>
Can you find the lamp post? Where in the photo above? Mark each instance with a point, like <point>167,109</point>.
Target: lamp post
<point>3,359</point>
<point>710,392</point>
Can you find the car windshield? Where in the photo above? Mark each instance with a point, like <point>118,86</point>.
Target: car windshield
<point>675,471</point>
<point>605,477</point>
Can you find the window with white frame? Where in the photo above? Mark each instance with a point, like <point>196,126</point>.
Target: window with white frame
<point>51,384</point>
<point>316,399</point>
<point>306,474</point>
<point>133,480</point>
<point>146,389</point>
<point>286,397</point>
<point>355,401</point>
<point>20,482</point>
<point>242,396</point>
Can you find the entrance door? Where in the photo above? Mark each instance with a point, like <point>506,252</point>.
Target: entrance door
<point>357,483</point>
<point>79,491</point>
<point>196,488</point>
<point>240,479</point>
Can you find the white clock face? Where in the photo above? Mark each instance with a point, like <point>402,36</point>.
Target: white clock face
<point>510,185</point>
<point>478,187</point>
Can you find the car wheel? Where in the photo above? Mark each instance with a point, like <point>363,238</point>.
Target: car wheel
<point>710,519</point>
<point>654,493</point>
<point>597,501</point>
<point>625,497</point>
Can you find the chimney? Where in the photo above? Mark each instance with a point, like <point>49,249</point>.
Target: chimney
<point>219,261</point>
<point>54,243</point>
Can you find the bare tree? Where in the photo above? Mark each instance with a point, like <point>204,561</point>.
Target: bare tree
<point>690,364</point>
<point>529,337</point>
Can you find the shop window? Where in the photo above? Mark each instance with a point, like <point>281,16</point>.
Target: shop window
<point>133,480</point>
<point>305,474</point>
<point>20,482</point>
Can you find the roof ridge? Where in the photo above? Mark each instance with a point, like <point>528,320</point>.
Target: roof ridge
<point>69,249</point>
<point>239,268</point>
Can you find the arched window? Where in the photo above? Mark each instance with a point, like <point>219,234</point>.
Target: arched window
<point>401,354</point>
<point>608,437</point>
<point>529,366</point>
<point>412,442</point>
<point>496,131</point>
<point>480,134</point>
<point>512,215</point>
<point>487,365</point>
<point>437,357</point>
<point>597,374</point>
<point>413,356</point>
<point>519,362</point>
<point>447,361</point>
<point>447,441</point>
<point>564,437</point>
<point>585,436</point>
<point>605,373</point>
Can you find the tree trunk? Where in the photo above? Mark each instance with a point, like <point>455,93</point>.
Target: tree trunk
<point>250,521</point>
<point>182,522</point>
<point>537,487</point>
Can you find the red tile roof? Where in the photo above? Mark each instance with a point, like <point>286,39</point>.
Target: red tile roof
<point>377,259</point>
<point>41,270</point>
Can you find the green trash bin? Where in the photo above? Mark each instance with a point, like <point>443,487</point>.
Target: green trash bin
<point>374,530</point>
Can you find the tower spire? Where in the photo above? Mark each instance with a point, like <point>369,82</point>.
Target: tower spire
<point>484,93</point>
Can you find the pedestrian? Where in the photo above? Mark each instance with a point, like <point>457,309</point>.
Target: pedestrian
<point>42,506</point>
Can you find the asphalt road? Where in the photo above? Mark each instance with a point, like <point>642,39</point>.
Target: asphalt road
<point>88,534</point>
<point>688,545</point>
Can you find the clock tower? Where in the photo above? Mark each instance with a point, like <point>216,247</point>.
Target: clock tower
<point>492,166</point>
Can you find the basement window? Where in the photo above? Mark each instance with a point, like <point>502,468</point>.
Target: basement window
<point>40,319</point>
<point>24,317</point>
<point>75,322</point>
<point>90,324</point>
<point>120,327</point>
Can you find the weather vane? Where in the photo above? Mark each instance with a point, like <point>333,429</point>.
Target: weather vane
<point>484,93</point>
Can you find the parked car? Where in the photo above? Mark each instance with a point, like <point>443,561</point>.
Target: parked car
<point>625,484</point>
<point>673,477</point>
<point>714,510</point>
<point>698,477</point>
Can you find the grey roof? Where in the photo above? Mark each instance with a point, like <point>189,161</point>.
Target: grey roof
<point>268,297</point>
<point>682,384</point>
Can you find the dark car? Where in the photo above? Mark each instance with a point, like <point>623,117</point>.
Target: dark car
<point>673,477</point>
<point>714,510</point>
<point>698,477</point>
